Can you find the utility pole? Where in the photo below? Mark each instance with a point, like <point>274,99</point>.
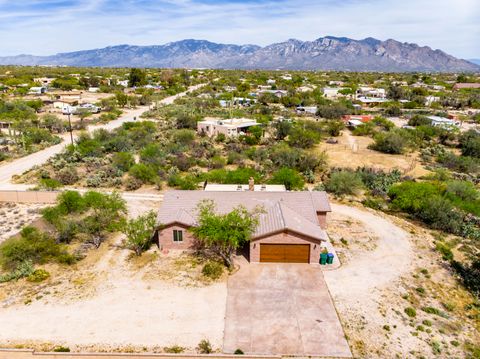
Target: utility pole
<point>70,127</point>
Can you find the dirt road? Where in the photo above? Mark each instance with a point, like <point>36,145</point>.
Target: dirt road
<point>23,164</point>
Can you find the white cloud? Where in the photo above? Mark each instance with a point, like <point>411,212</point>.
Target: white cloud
<point>45,27</point>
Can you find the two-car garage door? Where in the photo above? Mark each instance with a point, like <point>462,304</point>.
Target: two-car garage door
<point>285,253</point>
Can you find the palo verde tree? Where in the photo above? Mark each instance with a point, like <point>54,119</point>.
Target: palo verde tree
<point>222,234</point>
<point>139,232</point>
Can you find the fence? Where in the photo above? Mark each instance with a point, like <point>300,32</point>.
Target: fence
<point>28,196</point>
<point>31,354</point>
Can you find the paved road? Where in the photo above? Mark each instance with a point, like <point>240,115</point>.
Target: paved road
<point>282,309</point>
<point>19,166</point>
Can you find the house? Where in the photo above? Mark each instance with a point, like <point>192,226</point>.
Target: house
<point>229,127</point>
<point>472,85</point>
<point>429,100</point>
<point>278,93</point>
<point>306,109</point>
<point>443,122</point>
<point>44,81</point>
<point>37,90</point>
<point>371,93</point>
<point>361,118</point>
<point>291,225</point>
<point>332,92</point>
<point>244,187</point>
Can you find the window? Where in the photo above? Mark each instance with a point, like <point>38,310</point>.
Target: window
<point>177,235</point>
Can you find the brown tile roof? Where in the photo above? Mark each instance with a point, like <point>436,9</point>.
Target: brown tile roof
<point>295,211</point>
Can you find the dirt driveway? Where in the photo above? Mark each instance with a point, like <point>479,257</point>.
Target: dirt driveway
<point>282,309</point>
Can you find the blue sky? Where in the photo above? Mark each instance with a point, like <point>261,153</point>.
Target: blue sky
<point>43,27</point>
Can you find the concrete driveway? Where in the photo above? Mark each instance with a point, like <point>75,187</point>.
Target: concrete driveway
<point>282,309</point>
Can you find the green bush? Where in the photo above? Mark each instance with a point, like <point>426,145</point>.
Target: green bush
<point>123,160</point>
<point>22,270</point>
<point>238,352</point>
<point>49,184</point>
<point>204,347</point>
<point>174,349</point>
<point>397,141</point>
<point>144,173</point>
<point>290,178</point>
<point>343,183</point>
<point>61,349</point>
<point>411,312</point>
<point>34,246</point>
<point>212,270</point>
<point>38,275</point>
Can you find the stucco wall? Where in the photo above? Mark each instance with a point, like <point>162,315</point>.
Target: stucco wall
<point>285,238</point>
<point>28,196</point>
<point>165,238</point>
<point>322,219</point>
<point>30,354</point>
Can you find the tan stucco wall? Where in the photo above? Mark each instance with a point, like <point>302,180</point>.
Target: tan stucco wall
<point>28,196</point>
<point>165,238</point>
<point>30,354</point>
<point>285,238</point>
<point>322,219</point>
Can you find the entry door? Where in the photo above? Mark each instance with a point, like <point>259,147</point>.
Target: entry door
<point>285,253</point>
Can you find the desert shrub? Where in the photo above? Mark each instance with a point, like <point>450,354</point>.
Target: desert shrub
<point>411,312</point>
<point>470,275</point>
<point>344,183</point>
<point>393,142</point>
<point>470,144</point>
<point>34,246</point>
<point>302,138</point>
<point>290,178</point>
<point>204,347</point>
<point>334,128</point>
<point>22,270</point>
<point>174,349</point>
<point>419,120</point>
<point>143,172</point>
<point>365,129</point>
<point>67,175</point>
<point>377,180</point>
<point>238,352</point>
<point>212,270</point>
<point>38,275</point>
<point>123,160</point>
<point>332,111</point>
<point>49,184</point>
<point>444,250</point>
<point>434,311</point>
<point>132,183</point>
<point>183,137</point>
<point>457,163</point>
<point>70,202</point>
<point>61,349</point>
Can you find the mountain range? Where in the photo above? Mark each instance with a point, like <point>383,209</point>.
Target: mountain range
<point>325,53</point>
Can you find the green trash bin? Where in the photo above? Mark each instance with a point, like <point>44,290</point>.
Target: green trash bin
<point>323,258</point>
<point>329,258</point>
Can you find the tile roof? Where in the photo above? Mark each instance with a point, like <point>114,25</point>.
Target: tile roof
<point>295,211</point>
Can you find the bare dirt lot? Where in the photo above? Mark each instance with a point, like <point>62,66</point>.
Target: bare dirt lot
<point>13,216</point>
<point>352,152</point>
<point>388,265</point>
<point>113,302</point>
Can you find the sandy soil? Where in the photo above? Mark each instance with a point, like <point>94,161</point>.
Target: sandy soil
<point>351,151</point>
<point>13,216</point>
<point>119,302</point>
<point>388,265</point>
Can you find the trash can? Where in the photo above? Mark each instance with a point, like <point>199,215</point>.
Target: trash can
<point>323,258</point>
<point>330,258</point>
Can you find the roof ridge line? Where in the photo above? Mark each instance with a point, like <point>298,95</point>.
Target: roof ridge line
<point>281,215</point>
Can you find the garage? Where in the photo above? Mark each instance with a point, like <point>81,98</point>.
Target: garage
<point>285,253</point>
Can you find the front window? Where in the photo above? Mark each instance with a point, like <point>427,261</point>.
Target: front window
<point>177,235</point>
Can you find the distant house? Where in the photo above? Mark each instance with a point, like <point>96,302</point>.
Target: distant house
<point>215,187</point>
<point>278,93</point>
<point>230,127</point>
<point>44,81</point>
<point>361,118</point>
<point>271,82</point>
<point>306,109</point>
<point>123,83</point>
<point>332,92</point>
<point>93,89</point>
<point>472,85</point>
<point>37,90</point>
<point>370,93</point>
<point>443,122</point>
<point>429,100</point>
<point>291,227</point>
<point>287,77</point>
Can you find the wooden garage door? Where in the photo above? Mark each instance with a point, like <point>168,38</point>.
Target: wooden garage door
<point>285,253</point>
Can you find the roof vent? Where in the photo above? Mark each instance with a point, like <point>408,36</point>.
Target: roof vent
<point>239,187</point>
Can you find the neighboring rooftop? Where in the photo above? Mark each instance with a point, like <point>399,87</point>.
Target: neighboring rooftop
<point>244,187</point>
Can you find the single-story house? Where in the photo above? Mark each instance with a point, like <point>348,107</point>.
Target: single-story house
<point>443,122</point>
<point>361,118</point>
<point>37,90</point>
<point>466,85</point>
<point>291,226</point>
<point>229,127</point>
<point>306,109</point>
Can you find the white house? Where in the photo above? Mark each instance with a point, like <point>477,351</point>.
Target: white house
<point>37,90</point>
<point>230,127</point>
<point>332,92</point>
<point>443,122</point>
